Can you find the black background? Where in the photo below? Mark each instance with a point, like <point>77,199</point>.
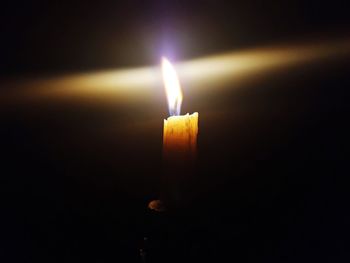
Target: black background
<point>273,156</point>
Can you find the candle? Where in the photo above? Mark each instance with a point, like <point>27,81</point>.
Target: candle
<point>179,145</point>
<point>180,136</point>
<point>180,131</point>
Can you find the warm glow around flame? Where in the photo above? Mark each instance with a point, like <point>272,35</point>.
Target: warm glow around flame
<point>172,87</point>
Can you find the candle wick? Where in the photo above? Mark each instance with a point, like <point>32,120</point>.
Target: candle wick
<point>177,106</point>
<point>175,111</point>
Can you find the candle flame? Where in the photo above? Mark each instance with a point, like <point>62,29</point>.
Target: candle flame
<point>172,87</point>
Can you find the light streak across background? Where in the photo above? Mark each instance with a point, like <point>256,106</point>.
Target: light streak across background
<point>201,73</point>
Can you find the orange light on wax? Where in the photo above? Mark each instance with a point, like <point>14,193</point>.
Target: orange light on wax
<point>180,131</point>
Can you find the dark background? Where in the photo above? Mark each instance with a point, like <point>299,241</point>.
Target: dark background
<point>273,156</point>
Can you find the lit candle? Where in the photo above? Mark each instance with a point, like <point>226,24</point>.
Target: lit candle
<point>179,145</point>
<point>180,131</point>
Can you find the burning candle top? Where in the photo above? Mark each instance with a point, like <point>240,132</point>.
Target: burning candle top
<point>180,131</point>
